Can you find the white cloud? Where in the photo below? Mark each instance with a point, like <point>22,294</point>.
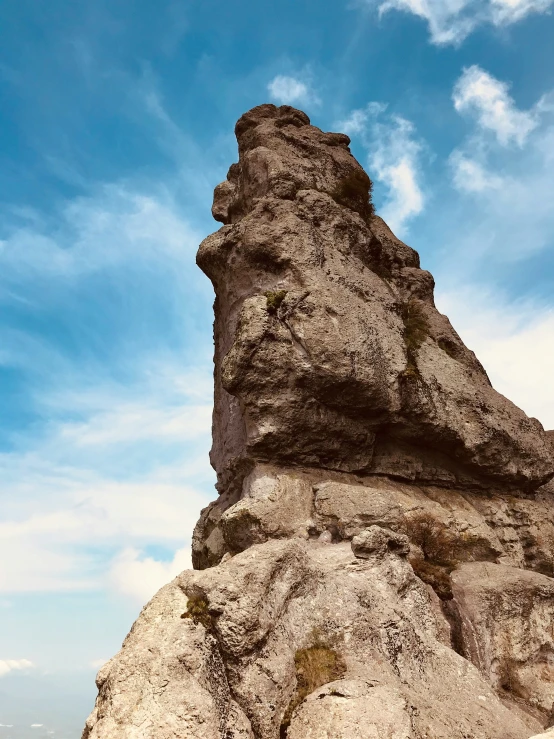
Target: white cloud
<point>96,664</point>
<point>36,726</point>
<point>509,190</point>
<point>76,497</point>
<point>10,665</point>
<point>114,225</point>
<point>69,521</point>
<point>451,21</point>
<point>290,90</point>
<point>108,464</point>
<point>448,20</point>
<point>487,99</point>
<point>396,163</point>
<point>133,471</point>
<point>357,120</point>
<point>393,159</point>
<point>513,340</point>
<point>136,422</point>
<point>141,577</point>
<point>505,12</point>
<point>470,175</point>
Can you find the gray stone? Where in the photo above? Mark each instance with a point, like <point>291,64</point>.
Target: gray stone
<point>377,542</point>
<point>177,678</point>
<point>507,617</point>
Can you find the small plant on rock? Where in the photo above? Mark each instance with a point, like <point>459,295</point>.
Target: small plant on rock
<point>416,330</point>
<point>354,192</point>
<point>315,666</point>
<point>197,611</point>
<point>274,300</point>
<point>448,347</point>
<point>416,325</point>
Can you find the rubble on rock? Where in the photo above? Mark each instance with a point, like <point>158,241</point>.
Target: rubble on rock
<point>380,560</point>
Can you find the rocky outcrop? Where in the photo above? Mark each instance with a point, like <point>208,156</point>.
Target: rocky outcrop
<point>379,561</point>
<point>507,625</point>
<point>329,349</point>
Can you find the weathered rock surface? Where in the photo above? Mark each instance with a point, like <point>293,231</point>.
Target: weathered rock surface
<point>281,502</point>
<point>546,735</point>
<point>351,368</point>
<point>379,563</point>
<point>508,625</point>
<point>263,605</point>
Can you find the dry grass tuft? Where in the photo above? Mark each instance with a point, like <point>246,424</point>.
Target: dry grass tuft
<point>416,330</point>
<point>437,576</point>
<point>315,666</point>
<point>197,611</point>
<point>416,325</point>
<point>354,192</point>
<point>448,347</point>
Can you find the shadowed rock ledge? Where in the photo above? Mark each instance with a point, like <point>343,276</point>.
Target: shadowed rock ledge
<point>380,560</point>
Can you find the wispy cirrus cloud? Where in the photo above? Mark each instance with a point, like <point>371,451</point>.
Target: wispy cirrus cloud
<point>504,168</point>
<point>11,665</point>
<point>79,495</point>
<point>480,95</point>
<point>469,175</point>
<point>394,154</point>
<point>513,340</point>
<point>109,227</point>
<point>102,330</point>
<point>451,21</point>
<point>139,577</point>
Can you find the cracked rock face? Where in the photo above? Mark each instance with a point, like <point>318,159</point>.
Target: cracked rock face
<point>379,563</point>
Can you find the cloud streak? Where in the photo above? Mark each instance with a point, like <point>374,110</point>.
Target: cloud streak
<point>512,340</point>
<point>479,94</point>
<point>104,319</point>
<point>394,160</point>
<point>119,479</point>
<point>11,665</point>
<point>451,21</point>
<point>509,189</point>
<point>288,90</point>
<point>139,577</point>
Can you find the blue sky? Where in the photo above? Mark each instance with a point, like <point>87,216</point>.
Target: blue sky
<point>116,120</point>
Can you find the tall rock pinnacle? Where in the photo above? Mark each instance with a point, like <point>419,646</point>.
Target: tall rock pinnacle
<point>380,560</point>
<point>329,349</point>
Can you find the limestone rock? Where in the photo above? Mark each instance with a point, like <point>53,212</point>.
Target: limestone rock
<point>329,349</point>
<point>352,708</point>
<point>167,681</point>
<point>507,617</point>
<point>379,563</point>
<point>180,678</point>
<point>376,543</point>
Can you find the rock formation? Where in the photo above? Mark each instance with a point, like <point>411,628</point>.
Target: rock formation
<point>380,560</point>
